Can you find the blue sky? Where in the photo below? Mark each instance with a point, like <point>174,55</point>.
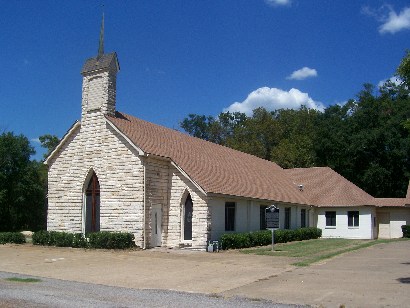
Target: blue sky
<point>204,57</point>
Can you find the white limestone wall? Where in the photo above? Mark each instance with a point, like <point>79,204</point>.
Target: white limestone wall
<point>157,180</point>
<point>96,146</point>
<point>99,92</point>
<point>342,230</point>
<point>179,187</point>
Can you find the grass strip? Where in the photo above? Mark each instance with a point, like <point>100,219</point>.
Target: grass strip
<point>312,251</point>
<point>17,279</point>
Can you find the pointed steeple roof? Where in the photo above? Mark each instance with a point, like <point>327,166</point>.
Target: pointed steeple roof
<point>102,61</point>
<point>101,43</point>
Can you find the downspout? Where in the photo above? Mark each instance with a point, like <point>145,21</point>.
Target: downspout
<point>144,201</point>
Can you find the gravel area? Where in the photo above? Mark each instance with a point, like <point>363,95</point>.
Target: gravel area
<point>62,293</point>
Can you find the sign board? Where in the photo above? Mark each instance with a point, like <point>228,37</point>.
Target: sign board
<point>272,219</point>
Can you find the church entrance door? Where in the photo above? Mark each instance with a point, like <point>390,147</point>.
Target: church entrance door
<point>156,225</point>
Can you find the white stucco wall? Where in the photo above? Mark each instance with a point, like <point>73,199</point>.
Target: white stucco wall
<point>342,230</point>
<point>398,217</point>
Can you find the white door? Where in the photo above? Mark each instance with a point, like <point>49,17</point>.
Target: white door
<point>384,225</point>
<point>156,225</point>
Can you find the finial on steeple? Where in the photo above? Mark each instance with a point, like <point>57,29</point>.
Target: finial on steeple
<point>101,44</point>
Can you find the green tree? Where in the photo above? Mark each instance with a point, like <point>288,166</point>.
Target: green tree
<point>295,148</point>
<point>22,198</point>
<point>49,142</point>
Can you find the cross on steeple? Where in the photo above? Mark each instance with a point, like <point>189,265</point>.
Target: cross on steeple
<point>101,43</point>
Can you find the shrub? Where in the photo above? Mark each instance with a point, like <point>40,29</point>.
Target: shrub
<point>12,238</point>
<point>104,239</point>
<point>79,241</point>
<point>111,240</point>
<point>264,237</point>
<point>260,238</point>
<point>406,230</point>
<point>41,238</point>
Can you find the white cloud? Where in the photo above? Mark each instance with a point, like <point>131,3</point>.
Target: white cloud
<point>391,21</point>
<point>273,99</point>
<point>278,2</point>
<point>395,23</point>
<point>303,73</point>
<point>395,80</point>
<point>35,140</point>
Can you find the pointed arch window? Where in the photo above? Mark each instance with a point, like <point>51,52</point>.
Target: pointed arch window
<point>188,209</point>
<point>92,205</point>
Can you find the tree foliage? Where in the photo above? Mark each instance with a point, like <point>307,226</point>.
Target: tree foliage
<point>367,140</point>
<point>22,195</point>
<point>49,142</point>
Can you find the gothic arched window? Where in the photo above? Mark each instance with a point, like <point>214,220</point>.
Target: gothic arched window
<point>92,205</point>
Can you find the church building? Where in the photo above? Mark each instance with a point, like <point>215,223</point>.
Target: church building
<point>115,172</point>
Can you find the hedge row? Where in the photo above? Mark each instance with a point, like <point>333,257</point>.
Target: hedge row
<point>12,238</point>
<point>103,239</point>
<point>406,230</point>
<point>264,237</point>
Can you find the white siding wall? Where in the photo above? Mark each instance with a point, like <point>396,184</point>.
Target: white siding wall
<point>341,230</point>
<point>248,215</point>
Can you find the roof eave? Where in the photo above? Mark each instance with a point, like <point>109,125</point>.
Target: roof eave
<point>62,141</point>
<point>138,149</point>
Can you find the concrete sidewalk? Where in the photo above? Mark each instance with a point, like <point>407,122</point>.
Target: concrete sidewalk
<point>377,276</point>
<point>181,270</point>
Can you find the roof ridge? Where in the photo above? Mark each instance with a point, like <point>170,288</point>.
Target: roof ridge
<point>186,135</point>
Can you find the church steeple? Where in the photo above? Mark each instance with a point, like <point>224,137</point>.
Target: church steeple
<point>101,43</point>
<point>99,81</point>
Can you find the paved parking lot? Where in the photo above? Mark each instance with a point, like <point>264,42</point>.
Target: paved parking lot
<point>377,276</point>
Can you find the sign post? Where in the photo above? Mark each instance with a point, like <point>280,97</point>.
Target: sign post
<point>272,221</point>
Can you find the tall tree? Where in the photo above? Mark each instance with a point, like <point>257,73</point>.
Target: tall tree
<point>21,191</point>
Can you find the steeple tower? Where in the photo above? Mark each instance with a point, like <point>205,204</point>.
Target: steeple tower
<point>99,81</point>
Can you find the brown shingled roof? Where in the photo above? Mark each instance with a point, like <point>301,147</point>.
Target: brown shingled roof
<point>217,169</point>
<point>400,202</point>
<point>323,186</point>
<point>98,63</point>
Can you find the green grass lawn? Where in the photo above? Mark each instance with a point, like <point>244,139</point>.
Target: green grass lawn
<point>311,251</point>
<point>18,279</point>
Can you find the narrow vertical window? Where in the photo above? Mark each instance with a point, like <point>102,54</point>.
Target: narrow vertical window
<point>353,218</point>
<point>92,205</point>
<point>262,217</point>
<point>330,218</point>
<point>230,216</point>
<point>287,218</point>
<point>188,209</point>
<point>303,218</point>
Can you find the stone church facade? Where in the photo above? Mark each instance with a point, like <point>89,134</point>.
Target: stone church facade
<point>114,172</point>
<point>133,192</point>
